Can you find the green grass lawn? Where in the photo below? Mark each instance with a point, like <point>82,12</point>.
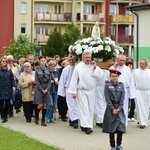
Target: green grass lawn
<point>11,140</point>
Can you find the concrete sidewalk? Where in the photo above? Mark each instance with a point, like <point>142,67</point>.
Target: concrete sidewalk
<point>60,135</point>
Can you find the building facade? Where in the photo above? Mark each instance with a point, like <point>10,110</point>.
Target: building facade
<point>7,23</point>
<point>38,18</point>
<point>142,23</point>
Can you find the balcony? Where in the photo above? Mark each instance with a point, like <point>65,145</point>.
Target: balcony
<point>126,1</point>
<point>65,17</point>
<point>122,19</point>
<point>42,38</point>
<point>91,17</point>
<point>124,39</point>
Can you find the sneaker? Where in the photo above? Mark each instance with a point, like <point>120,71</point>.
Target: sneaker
<point>118,147</point>
<point>129,120</point>
<point>52,121</point>
<point>132,119</point>
<point>113,148</point>
<point>48,120</point>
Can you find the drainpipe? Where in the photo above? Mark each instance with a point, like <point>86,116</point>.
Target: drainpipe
<point>137,38</point>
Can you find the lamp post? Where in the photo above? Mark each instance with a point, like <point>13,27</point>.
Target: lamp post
<point>117,13</point>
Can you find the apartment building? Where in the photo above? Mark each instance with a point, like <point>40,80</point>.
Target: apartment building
<point>6,23</point>
<point>122,24</point>
<point>51,14</point>
<point>38,18</point>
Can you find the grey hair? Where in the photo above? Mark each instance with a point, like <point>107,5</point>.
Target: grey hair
<point>27,64</point>
<point>85,53</point>
<point>145,59</point>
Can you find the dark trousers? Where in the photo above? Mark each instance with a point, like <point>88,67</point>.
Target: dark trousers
<point>112,138</point>
<point>28,109</point>
<point>4,106</point>
<point>131,108</point>
<point>62,106</point>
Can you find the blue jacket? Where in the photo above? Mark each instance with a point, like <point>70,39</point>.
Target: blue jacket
<point>6,84</point>
<point>54,74</point>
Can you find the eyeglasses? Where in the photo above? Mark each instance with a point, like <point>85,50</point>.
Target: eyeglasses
<point>4,61</point>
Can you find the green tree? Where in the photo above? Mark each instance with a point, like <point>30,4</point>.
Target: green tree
<point>55,44</point>
<point>21,47</point>
<point>71,35</point>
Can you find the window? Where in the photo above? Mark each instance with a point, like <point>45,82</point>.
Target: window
<point>37,29</point>
<point>126,30</point>
<point>57,9</point>
<point>23,28</point>
<point>88,9</point>
<point>113,9</point>
<point>23,7</point>
<point>43,30</point>
<point>42,8</point>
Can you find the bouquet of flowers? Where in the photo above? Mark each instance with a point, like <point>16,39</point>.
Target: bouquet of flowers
<point>106,49</point>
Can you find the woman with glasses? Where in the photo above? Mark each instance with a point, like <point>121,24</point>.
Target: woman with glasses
<point>7,85</point>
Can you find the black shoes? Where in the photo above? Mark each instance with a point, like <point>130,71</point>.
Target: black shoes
<point>28,120</point>
<point>64,119</point>
<point>74,123</point>
<point>17,111</point>
<point>86,130</point>
<point>4,121</point>
<point>99,125</point>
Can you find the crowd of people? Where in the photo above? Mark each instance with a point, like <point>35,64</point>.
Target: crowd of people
<point>49,84</point>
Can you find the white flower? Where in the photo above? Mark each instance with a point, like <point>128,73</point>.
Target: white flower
<point>93,42</point>
<point>78,51</point>
<point>107,48</point>
<point>84,46</point>
<point>70,48</point>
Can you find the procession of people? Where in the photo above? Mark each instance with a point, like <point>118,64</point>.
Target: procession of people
<point>76,90</point>
<point>82,88</point>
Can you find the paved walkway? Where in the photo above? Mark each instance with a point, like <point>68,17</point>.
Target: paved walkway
<point>60,135</point>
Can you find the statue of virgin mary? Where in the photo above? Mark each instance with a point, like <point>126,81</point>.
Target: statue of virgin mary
<point>96,31</point>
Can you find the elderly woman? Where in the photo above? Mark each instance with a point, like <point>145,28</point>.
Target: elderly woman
<point>26,82</point>
<point>7,85</point>
<point>42,92</point>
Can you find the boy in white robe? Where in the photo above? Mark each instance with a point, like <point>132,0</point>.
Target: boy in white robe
<point>63,91</point>
<point>100,104</point>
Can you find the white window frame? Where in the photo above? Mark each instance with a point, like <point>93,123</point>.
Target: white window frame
<point>23,7</point>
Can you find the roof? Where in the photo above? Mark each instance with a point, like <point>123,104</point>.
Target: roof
<point>138,7</point>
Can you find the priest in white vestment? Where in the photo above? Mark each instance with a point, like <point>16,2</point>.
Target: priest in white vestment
<point>127,80</point>
<point>82,86</point>
<point>141,78</point>
<point>63,91</point>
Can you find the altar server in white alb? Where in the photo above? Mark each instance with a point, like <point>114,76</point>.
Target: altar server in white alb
<point>63,91</point>
<point>100,104</point>
<point>82,86</point>
<point>141,78</point>
<point>127,80</point>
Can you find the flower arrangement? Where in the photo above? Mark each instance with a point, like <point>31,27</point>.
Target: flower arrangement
<point>106,49</point>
